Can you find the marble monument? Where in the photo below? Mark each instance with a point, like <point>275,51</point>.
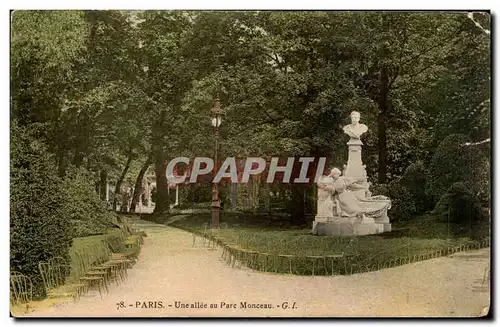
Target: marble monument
<point>345,205</point>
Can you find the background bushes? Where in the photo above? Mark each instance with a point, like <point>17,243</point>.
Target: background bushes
<point>84,209</point>
<point>454,161</point>
<point>455,185</point>
<point>460,206</point>
<point>403,205</point>
<point>414,179</point>
<point>407,193</point>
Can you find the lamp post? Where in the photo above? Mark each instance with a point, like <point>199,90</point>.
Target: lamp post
<point>216,121</point>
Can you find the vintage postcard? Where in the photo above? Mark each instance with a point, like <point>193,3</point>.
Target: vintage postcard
<point>170,163</point>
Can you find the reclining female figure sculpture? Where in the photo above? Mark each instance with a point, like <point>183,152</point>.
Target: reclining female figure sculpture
<point>347,203</point>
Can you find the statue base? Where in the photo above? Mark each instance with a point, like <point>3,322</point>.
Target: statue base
<point>339,226</point>
<point>384,221</point>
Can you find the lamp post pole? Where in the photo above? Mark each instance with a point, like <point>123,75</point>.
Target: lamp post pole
<point>216,121</point>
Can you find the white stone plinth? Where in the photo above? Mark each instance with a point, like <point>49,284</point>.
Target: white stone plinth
<point>384,221</point>
<point>320,219</point>
<point>336,226</point>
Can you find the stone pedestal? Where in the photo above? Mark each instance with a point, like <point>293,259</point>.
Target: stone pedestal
<point>354,166</point>
<point>319,219</point>
<point>384,221</point>
<point>337,226</point>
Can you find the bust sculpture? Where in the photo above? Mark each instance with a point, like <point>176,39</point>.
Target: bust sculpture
<point>355,129</point>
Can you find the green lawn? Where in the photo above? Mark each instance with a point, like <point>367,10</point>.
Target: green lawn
<point>420,236</point>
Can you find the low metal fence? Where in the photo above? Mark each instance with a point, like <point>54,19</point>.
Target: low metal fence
<point>343,263</point>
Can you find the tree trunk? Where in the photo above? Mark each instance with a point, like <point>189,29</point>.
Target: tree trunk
<point>138,183</point>
<point>382,127</point>
<point>250,192</point>
<point>61,164</point>
<point>234,195</point>
<point>267,197</point>
<point>162,203</point>
<point>296,205</point>
<point>78,159</point>
<point>120,180</point>
<point>162,199</point>
<point>102,184</point>
<point>256,192</point>
<point>309,200</point>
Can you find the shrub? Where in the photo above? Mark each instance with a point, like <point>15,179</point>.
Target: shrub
<point>198,193</point>
<point>414,179</point>
<point>380,189</point>
<point>460,205</point>
<point>38,228</point>
<point>454,162</point>
<point>403,202</point>
<point>480,180</point>
<point>83,207</point>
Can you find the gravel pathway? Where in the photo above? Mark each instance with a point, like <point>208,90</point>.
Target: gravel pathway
<point>170,273</point>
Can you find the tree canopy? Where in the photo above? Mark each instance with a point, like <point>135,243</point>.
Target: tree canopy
<point>110,90</point>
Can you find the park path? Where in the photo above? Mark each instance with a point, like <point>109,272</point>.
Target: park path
<point>169,269</point>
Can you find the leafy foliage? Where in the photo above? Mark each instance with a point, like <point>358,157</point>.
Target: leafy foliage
<point>83,207</point>
<point>403,201</point>
<point>39,230</point>
<point>459,205</point>
<point>414,179</point>
<point>454,161</point>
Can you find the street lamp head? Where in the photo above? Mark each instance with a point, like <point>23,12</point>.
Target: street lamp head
<point>216,121</point>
